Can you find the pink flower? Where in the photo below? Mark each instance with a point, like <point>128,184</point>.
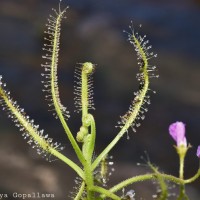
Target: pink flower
<point>177,131</point>
<point>198,151</point>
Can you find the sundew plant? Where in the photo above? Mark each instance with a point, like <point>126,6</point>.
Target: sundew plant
<point>93,171</point>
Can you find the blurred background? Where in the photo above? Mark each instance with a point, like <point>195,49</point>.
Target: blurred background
<point>93,31</point>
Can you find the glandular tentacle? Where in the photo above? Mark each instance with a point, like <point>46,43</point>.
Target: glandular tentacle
<point>30,131</point>
<point>51,47</point>
<point>83,77</point>
<point>141,99</point>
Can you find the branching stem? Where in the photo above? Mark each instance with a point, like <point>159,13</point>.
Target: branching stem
<point>80,192</point>
<point>54,94</point>
<point>137,106</point>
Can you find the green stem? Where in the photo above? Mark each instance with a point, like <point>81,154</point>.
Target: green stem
<point>181,162</point>
<point>84,94</point>
<point>89,181</point>
<point>123,130</point>
<point>67,130</point>
<point>34,134</point>
<point>172,178</point>
<point>54,90</point>
<point>137,105</point>
<point>182,194</point>
<point>80,192</point>
<point>164,190</point>
<point>195,177</point>
<point>182,150</point>
<point>132,180</point>
<point>87,70</point>
<point>70,136</point>
<point>66,160</point>
<point>87,122</point>
<point>145,177</point>
<point>91,144</point>
<point>107,149</point>
<point>105,192</point>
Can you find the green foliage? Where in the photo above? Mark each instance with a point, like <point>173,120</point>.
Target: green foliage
<point>93,172</point>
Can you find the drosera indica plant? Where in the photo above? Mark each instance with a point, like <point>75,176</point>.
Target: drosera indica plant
<point>93,171</point>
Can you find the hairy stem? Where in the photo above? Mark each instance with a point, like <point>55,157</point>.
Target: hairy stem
<point>132,180</point>
<point>66,160</point>
<point>56,102</point>
<point>80,192</point>
<point>84,89</point>
<point>138,104</point>
<point>89,180</point>
<point>105,192</point>
<point>144,178</point>
<point>33,133</point>
<point>89,142</point>
<point>194,178</point>
<point>163,186</point>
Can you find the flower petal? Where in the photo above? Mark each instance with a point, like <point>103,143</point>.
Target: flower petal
<point>177,131</point>
<point>198,151</point>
